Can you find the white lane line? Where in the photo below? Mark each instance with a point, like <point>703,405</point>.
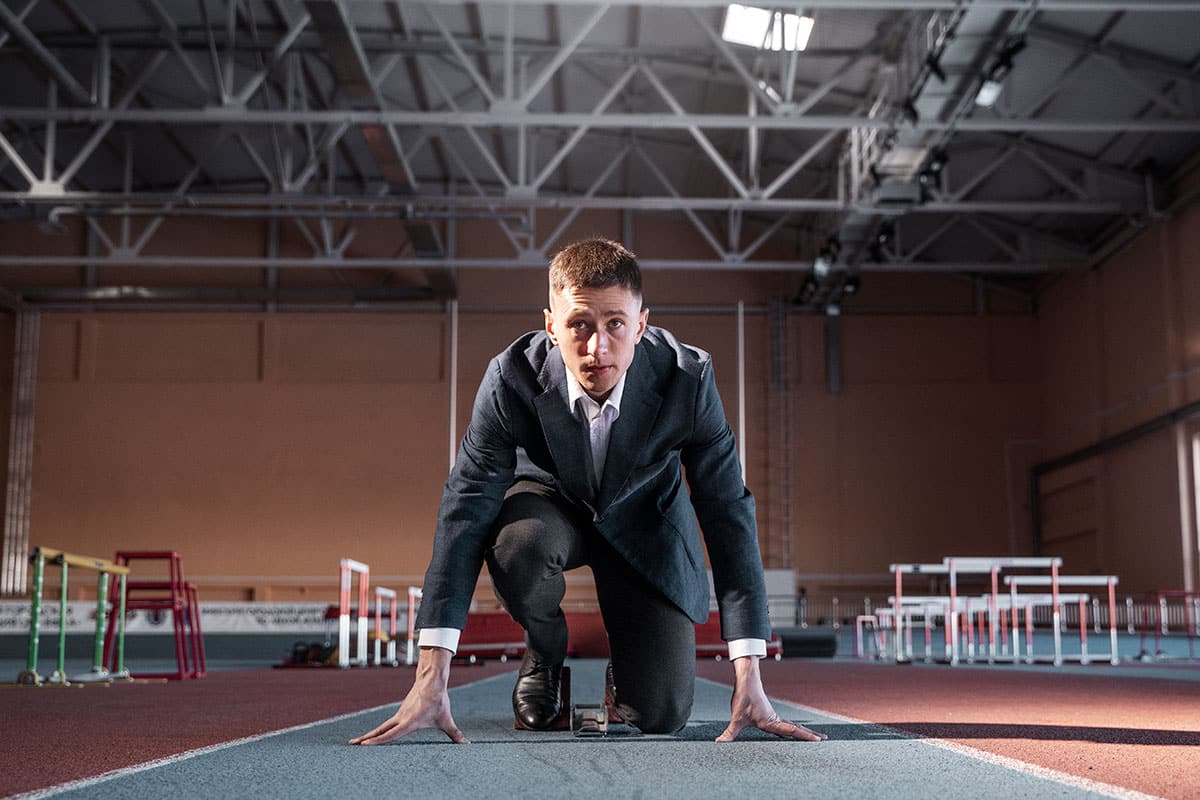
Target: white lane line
<point>1106,789</point>
<point>83,783</point>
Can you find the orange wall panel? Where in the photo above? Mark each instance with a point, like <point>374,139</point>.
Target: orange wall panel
<point>151,349</point>
<point>1119,346</point>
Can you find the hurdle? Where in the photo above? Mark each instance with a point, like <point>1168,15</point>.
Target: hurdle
<point>98,674</point>
<point>410,620</point>
<point>900,570</point>
<point>1056,581</point>
<point>348,567</point>
<point>390,594</point>
<point>860,623</point>
<point>929,608</point>
<point>1157,617</point>
<point>1027,603</point>
<point>984,565</point>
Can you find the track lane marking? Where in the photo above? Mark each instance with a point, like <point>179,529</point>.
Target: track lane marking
<point>1045,773</point>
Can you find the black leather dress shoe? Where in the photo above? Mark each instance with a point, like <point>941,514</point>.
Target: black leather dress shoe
<point>537,697</point>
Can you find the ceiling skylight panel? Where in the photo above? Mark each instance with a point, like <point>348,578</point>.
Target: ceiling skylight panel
<point>764,29</point>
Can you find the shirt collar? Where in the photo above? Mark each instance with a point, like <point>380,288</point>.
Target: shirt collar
<point>575,392</point>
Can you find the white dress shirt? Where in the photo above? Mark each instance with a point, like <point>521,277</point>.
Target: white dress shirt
<point>599,419</point>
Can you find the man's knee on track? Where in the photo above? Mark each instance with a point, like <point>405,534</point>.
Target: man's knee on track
<point>661,718</point>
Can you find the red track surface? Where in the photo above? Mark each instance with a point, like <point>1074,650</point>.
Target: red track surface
<point>51,735</point>
<point>1138,733</point>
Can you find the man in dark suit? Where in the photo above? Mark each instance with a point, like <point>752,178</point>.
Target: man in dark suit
<point>573,458</point>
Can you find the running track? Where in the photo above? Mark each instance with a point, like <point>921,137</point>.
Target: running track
<point>997,732</point>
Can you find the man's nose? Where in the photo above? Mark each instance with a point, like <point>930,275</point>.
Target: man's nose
<point>598,343</point>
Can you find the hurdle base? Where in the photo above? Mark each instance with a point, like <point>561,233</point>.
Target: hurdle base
<point>94,675</point>
<point>29,677</point>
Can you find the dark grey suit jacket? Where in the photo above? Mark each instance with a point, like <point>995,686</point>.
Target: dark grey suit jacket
<point>670,415</point>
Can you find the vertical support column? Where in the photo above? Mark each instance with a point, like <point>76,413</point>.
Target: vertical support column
<point>1191,544</point>
<point>51,135</point>
<point>20,454</point>
<point>272,277</point>
<point>741,379</point>
<point>453,378</point>
<point>779,450</point>
<point>833,350</point>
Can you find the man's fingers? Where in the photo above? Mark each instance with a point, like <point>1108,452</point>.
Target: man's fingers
<point>456,735</point>
<point>731,733</point>
<point>371,734</point>
<point>790,730</point>
<point>383,736</point>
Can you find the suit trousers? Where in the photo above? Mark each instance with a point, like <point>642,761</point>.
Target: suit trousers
<point>538,536</point>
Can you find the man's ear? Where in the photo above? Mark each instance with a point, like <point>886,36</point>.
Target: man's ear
<point>643,317</point>
<point>550,325</point>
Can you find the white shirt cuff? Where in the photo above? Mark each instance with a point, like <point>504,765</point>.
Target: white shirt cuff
<point>445,638</point>
<point>739,648</point>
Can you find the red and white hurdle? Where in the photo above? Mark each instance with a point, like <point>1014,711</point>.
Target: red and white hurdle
<point>390,594</point>
<point>349,568</point>
<point>1056,581</point>
<point>965,565</point>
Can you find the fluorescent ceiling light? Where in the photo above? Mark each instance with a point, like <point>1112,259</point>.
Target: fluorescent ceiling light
<point>989,91</point>
<point>766,30</point>
<point>770,91</point>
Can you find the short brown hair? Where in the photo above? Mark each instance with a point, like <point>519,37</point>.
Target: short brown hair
<point>595,264</point>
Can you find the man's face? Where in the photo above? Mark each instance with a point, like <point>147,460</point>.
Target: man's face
<point>596,330</point>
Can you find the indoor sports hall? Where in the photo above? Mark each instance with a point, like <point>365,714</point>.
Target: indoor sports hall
<point>646,398</point>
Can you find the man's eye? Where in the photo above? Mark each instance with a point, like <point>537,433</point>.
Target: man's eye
<point>578,325</point>
<point>616,323</point>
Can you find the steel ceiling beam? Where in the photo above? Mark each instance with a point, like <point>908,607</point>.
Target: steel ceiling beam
<point>410,204</point>
<point>530,260</point>
<point>905,5</point>
<point>43,56</point>
<point>515,119</point>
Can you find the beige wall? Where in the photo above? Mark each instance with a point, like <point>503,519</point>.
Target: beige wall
<point>1121,347</point>
<point>265,446</point>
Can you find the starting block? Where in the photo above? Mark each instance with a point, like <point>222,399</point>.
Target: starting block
<point>589,720</point>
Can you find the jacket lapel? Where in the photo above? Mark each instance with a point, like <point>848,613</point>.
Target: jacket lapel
<point>639,411</point>
<point>562,429</point>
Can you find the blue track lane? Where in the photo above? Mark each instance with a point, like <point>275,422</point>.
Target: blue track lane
<point>314,763</point>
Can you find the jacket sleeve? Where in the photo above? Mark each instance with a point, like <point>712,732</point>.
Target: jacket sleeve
<point>482,473</point>
<point>725,510</point>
